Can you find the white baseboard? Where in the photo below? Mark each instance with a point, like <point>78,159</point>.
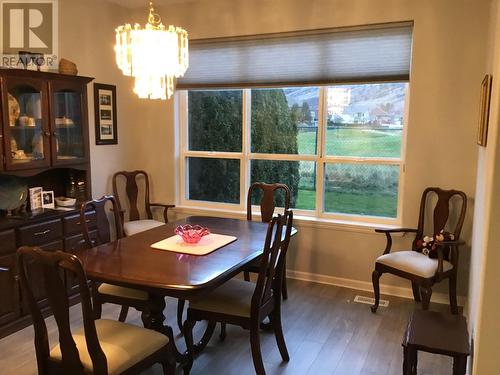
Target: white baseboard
<point>390,290</point>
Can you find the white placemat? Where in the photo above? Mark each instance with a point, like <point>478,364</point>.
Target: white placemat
<point>206,245</point>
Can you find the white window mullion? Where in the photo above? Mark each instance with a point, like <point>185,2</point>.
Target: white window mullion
<point>214,154</point>
<point>183,133</point>
<point>321,150</point>
<point>245,164</point>
<point>283,157</point>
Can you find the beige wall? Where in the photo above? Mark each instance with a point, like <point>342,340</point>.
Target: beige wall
<point>483,288</point>
<point>448,63</point>
<point>86,36</point>
<point>449,52</point>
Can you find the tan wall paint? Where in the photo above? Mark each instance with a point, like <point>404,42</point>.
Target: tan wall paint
<point>483,288</point>
<point>449,53</point>
<point>449,50</point>
<point>86,37</point>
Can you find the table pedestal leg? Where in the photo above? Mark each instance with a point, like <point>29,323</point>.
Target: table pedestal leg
<point>153,318</point>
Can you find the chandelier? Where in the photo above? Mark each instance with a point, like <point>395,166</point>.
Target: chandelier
<point>154,55</point>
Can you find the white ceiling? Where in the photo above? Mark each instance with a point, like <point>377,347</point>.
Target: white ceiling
<point>145,3</point>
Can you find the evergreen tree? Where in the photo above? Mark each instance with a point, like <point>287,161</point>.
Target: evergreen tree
<point>274,130</point>
<point>215,125</point>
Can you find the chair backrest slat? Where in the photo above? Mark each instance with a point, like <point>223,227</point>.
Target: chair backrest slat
<point>272,260</point>
<point>103,225</point>
<point>441,211</point>
<point>54,265</point>
<point>132,190</point>
<point>267,202</point>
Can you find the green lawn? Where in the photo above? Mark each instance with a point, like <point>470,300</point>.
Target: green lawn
<point>358,143</point>
<point>349,203</point>
<point>354,142</point>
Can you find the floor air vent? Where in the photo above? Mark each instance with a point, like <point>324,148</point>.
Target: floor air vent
<point>370,301</point>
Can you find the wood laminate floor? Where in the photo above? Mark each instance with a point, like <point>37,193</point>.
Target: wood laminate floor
<point>325,331</point>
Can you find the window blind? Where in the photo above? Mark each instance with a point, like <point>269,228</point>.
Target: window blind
<point>346,55</point>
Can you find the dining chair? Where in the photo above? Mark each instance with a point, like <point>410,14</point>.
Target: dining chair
<point>101,346</point>
<point>126,297</point>
<point>244,303</point>
<point>267,206</point>
<point>421,269</point>
<point>135,223</point>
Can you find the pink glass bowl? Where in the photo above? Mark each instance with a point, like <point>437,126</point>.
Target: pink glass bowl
<point>191,233</point>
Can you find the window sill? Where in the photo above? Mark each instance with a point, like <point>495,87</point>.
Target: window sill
<point>300,220</point>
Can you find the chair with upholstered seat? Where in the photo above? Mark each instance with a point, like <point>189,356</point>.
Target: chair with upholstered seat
<point>416,265</point>
<point>126,297</point>
<point>247,304</point>
<point>135,223</point>
<point>267,205</point>
<point>101,346</point>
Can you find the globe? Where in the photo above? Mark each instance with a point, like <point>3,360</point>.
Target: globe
<point>13,192</point>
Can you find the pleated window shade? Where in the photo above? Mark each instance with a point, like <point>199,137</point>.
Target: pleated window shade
<point>347,55</point>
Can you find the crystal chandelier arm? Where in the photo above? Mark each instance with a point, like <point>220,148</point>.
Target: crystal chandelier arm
<point>154,19</point>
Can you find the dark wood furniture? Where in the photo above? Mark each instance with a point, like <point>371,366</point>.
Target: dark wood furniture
<point>51,230</point>
<point>52,126</point>
<point>267,205</point>
<point>52,131</point>
<point>135,224</point>
<point>164,273</point>
<point>102,346</point>
<point>247,304</point>
<point>108,293</point>
<point>422,271</point>
<point>439,333</point>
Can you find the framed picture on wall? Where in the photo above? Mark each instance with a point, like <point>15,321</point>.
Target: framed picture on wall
<point>106,130</point>
<point>484,111</point>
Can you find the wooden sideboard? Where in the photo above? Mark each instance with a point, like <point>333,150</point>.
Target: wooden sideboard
<point>44,141</point>
<point>51,230</point>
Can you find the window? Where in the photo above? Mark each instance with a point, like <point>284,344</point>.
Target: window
<point>338,148</point>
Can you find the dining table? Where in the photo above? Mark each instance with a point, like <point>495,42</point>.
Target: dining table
<point>132,262</point>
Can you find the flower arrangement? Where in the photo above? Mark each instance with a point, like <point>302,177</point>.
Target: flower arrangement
<point>429,244</point>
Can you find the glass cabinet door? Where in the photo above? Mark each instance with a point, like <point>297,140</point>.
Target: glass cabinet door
<point>68,117</point>
<point>25,124</point>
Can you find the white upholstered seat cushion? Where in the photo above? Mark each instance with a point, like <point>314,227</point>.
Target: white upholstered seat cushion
<point>413,262</point>
<point>120,291</point>
<point>234,297</point>
<point>136,226</point>
<point>123,344</point>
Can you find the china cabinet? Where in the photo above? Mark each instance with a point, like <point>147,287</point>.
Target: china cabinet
<point>44,119</point>
<point>44,142</point>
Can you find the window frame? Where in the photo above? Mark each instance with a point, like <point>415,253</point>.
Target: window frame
<point>320,158</point>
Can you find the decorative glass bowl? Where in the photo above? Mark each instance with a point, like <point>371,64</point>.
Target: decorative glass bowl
<point>191,233</point>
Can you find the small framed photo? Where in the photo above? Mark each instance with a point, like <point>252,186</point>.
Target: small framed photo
<point>35,198</point>
<point>484,111</point>
<point>48,199</point>
<point>106,129</point>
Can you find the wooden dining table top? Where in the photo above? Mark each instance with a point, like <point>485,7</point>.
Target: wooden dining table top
<point>130,261</point>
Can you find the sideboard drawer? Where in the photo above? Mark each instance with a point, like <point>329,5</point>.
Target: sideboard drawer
<point>72,223</point>
<point>42,233</point>
<point>7,242</point>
